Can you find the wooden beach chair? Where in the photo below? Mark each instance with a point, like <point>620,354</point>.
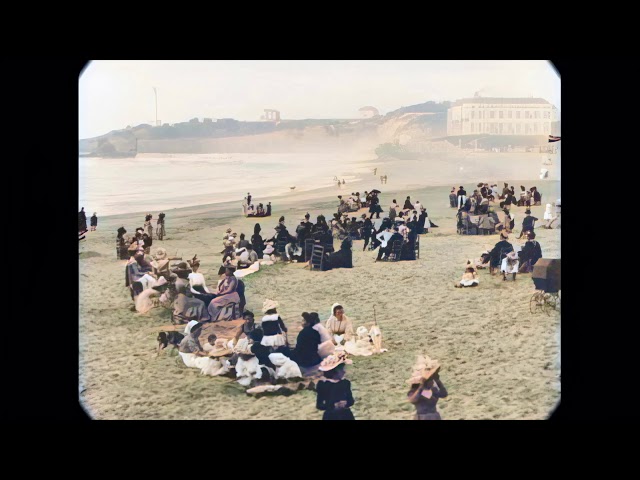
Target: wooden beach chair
<point>317,258</point>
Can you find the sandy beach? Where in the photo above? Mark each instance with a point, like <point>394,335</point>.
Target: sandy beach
<point>499,361</point>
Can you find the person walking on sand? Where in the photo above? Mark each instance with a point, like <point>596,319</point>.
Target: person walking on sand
<point>375,170</point>
<point>343,182</point>
<point>94,222</point>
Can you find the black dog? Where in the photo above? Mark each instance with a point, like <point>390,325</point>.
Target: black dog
<point>169,338</point>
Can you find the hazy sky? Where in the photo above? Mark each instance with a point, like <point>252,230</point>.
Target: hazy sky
<point>114,94</point>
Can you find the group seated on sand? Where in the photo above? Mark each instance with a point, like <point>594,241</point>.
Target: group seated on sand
<point>249,210</point>
<point>509,259</point>
<point>260,353</point>
<point>484,194</point>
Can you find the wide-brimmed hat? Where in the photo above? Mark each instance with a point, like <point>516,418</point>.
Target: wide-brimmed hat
<point>160,254</point>
<point>332,361</point>
<point>423,369</point>
<point>243,347</point>
<point>269,305</point>
<point>220,348</point>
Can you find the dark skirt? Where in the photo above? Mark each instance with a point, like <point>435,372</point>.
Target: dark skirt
<point>375,208</point>
<point>344,414</point>
<point>204,296</point>
<point>427,416</point>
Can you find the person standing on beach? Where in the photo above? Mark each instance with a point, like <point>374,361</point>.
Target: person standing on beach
<point>82,221</point>
<point>94,222</point>
<point>426,389</point>
<point>248,199</point>
<point>375,170</point>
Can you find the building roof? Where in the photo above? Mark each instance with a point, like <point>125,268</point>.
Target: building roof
<point>500,100</point>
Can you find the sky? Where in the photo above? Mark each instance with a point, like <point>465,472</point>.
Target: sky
<point>114,94</point>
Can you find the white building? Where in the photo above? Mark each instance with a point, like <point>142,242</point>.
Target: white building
<point>501,116</point>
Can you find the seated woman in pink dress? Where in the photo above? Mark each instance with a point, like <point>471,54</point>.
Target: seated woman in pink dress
<point>225,295</point>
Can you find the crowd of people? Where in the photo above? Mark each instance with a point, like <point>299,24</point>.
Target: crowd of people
<point>259,352</point>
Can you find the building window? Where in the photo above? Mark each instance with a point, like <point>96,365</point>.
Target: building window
<point>518,127</point>
<point>547,114</point>
<point>509,113</point>
<point>501,114</point>
<point>492,114</point>
<point>518,114</point>
<point>537,114</point>
<point>526,114</point>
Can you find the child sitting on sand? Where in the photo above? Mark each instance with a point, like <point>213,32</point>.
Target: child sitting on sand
<point>469,278</point>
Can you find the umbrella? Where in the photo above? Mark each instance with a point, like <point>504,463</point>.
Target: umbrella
<point>375,191</point>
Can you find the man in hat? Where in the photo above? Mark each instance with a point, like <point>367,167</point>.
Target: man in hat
<point>462,196</point>
<point>530,254</point>
<point>528,223</point>
<point>501,248</point>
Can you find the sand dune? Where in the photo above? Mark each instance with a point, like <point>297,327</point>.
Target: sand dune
<point>499,361</point>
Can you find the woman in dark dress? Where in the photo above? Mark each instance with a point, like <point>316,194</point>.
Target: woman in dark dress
<point>82,221</point>
<point>530,254</point>
<point>256,240</point>
<point>367,231</point>
<point>342,258</point>
<point>94,221</point>
<point>122,248</point>
<point>502,247</point>
<point>426,389</point>
<point>306,351</point>
<point>375,207</point>
<point>334,391</point>
<point>407,204</point>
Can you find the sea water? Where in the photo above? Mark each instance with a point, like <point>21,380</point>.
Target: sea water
<point>155,182</point>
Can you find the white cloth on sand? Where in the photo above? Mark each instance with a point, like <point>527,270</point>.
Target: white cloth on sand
<point>247,370</point>
<point>285,367</point>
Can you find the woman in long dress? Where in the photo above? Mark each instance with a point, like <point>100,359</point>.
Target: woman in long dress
<point>339,325</point>
<point>334,395</point>
<point>225,295</point>
<point>426,389</point>
<point>309,340</point>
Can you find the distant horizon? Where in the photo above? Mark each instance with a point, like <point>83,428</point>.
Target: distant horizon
<point>290,119</point>
<point>117,94</point>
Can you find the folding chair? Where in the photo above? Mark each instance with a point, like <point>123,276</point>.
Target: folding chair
<point>317,257</point>
<point>308,248</point>
<point>396,251</point>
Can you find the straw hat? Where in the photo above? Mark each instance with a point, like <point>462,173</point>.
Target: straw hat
<point>160,254</point>
<point>220,348</point>
<point>268,305</point>
<point>332,361</point>
<point>423,369</point>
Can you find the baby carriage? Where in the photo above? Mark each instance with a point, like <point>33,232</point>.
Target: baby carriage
<point>546,278</point>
